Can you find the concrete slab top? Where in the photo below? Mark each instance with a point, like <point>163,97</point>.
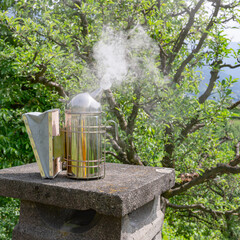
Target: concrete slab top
<point>124,188</point>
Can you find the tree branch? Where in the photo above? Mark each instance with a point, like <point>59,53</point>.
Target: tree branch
<point>34,57</point>
<point>234,105</point>
<point>167,160</point>
<point>225,139</point>
<point>235,212</point>
<point>215,191</point>
<point>200,207</point>
<point>187,129</point>
<point>236,160</point>
<point>39,78</point>
<point>121,155</point>
<point>58,87</point>
<point>182,36</point>
<point>176,78</point>
<point>229,66</point>
<point>115,108</point>
<point>220,169</point>
<point>197,127</point>
<point>113,154</point>
<point>230,5</point>
<point>127,151</point>
<point>82,16</point>
<point>134,113</point>
<point>212,81</point>
<point>179,13</point>
<point>51,39</point>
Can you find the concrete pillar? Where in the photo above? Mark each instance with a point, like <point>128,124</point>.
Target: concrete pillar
<point>125,205</point>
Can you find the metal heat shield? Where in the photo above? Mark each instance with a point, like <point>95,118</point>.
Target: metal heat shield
<point>44,134</point>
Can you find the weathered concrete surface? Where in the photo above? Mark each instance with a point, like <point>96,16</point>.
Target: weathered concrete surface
<point>45,222</point>
<point>143,223</point>
<point>124,189</point>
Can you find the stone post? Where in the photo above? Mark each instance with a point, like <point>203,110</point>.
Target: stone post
<point>125,205</point>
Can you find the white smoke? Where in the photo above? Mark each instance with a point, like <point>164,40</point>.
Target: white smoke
<point>124,55</point>
<point>110,55</point>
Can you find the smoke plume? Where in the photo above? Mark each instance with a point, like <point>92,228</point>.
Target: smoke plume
<point>122,56</point>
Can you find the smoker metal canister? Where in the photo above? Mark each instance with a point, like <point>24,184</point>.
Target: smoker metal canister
<point>84,138</point>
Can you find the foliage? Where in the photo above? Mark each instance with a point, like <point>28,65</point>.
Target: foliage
<point>46,48</point>
<point>9,212</point>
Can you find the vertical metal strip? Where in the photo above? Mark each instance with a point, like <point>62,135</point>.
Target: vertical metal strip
<point>50,144</point>
<point>78,147</point>
<point>104,166</point>
<point>33,146</point>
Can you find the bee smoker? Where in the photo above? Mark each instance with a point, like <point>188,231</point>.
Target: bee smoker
<point>80,143</point>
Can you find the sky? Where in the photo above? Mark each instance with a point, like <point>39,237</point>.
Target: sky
<point>233,34</point>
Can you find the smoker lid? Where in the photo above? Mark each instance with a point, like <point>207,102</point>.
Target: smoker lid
<point>84,102</point>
